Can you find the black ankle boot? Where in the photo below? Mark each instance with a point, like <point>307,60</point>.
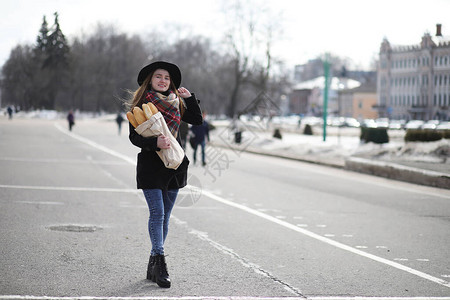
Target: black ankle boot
<point>150,267</point>
<point>160,272</point>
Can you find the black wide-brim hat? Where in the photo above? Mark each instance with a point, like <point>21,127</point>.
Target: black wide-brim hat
<point>174,72</point>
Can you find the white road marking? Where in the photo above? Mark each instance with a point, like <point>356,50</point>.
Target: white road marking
<point>255,268</point>
<point>68,188</point>
<point>60,161</point>
<point>95,145</point>
<point>289,225</point>
<point>17,297</point>
<point>40,202</point>
<point>327,240</point>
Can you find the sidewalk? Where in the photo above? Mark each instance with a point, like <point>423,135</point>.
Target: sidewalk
<point>420,163</point>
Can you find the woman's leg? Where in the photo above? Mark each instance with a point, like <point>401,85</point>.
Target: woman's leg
<point>169,198</point>
<point>155,202</point>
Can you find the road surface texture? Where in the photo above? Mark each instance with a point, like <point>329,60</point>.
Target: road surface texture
<point>72,224</point>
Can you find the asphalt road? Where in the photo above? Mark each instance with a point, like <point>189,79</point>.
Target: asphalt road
<point>72,224</point>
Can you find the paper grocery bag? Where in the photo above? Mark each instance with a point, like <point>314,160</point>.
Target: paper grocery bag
<point>155,126</point>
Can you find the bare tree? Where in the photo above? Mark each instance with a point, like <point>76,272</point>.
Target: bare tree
<point>105,67</point>
<point>19,77</point>
<point>250,38</point>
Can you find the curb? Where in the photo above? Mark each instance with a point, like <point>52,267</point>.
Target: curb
<point>398,172</point>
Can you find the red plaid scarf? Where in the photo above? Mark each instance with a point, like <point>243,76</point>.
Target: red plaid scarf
<point>170,112</point>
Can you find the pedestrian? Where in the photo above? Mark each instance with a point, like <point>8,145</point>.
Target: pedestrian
<point>201,134</point>
<point>71,120</point>
<point>159,184</point>
<point>10,112</point>
<point>119,120</point>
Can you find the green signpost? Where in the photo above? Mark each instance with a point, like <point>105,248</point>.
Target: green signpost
<point>326,69</point>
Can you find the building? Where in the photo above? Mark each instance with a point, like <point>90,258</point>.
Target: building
<point>359,102</point>
<point>307,97</point>
<point>413,82</point>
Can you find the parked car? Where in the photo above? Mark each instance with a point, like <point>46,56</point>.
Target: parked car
<point>414,124</point>
<point>370,123</point>
<point>397,124</point>
<point>431,124</point>
<point>443,126</point>
<point>382,122</point>
<point>352,122</point>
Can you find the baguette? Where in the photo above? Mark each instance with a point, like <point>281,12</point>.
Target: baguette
<point>139,115</point>
<point>132,119</point>
<point>152,108</point>
<point>147,111</point>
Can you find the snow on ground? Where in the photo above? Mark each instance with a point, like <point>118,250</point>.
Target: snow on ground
<point>339,144</point>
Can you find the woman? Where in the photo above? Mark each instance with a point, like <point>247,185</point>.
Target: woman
<point>160,185</point>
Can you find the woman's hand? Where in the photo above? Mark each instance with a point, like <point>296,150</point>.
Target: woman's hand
<point>163,142</point>
<point>184,93</point>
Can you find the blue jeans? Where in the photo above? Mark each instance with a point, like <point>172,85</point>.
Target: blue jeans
<point>160,204</point>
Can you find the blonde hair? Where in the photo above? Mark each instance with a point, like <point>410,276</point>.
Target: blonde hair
<point>138,96</point>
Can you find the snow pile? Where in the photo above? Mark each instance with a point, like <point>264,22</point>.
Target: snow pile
<point>336,149</point>
<point>432,152</point>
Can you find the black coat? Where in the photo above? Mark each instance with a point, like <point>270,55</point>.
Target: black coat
<point>150,170</point>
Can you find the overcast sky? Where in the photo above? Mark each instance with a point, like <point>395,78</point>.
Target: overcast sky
<point>348,28</point>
